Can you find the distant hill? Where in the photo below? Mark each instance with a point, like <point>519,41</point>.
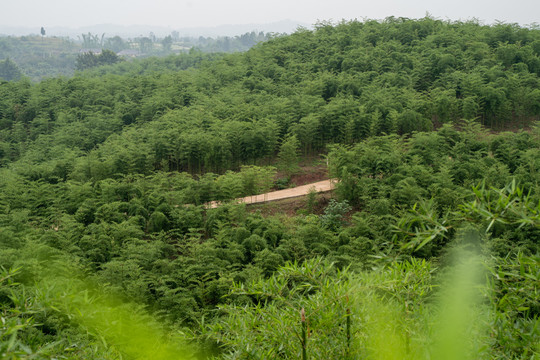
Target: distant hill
<point>39,57</point>
<point>284,26</point>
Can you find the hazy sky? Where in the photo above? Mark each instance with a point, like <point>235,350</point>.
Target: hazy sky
<point>196,13</point>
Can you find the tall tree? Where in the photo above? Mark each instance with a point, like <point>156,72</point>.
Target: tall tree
<point>9,70</point>
<point>167,43</point>
<point>288,155</point>
<point>115,44</point>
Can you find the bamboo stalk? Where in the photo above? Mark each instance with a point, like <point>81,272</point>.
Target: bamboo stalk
<point>348,330</point>
<point>304,334</point>
<point>348,327</point>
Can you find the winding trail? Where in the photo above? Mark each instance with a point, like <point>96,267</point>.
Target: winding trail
<point>320,186</point>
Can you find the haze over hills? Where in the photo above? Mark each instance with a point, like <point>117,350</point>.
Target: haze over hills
<point>284,26</point>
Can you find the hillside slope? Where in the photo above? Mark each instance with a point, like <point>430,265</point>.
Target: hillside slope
<point>337,84</point>
<point>430,241</point>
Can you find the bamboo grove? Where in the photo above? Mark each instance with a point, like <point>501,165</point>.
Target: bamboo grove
<point>107,249</point>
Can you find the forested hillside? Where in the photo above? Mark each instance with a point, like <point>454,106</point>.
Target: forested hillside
<point>429,248</point>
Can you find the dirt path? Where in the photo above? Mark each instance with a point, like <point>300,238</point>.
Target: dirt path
<point>320,186</point>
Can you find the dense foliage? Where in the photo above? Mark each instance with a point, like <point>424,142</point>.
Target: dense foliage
<point>104,179</point>
<point>315,85</point>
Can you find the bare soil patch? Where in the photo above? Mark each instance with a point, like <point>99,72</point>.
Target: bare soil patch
<point>310,174</point>
<point>292,206</point>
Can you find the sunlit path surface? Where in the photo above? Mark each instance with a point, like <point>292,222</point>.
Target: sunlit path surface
<point>320,186</point>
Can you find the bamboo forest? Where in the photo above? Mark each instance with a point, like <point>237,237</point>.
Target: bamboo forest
<point>426,248</point>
